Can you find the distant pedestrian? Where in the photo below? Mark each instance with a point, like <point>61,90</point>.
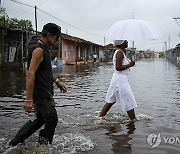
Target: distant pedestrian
<point>56,61</point>
<point>119,89</point>
<point>39,89</point>
<point>94,58</point>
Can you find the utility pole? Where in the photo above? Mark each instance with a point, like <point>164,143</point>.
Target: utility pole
<point>169,39</point>
<point>165,45</point>
<point>163,48</point>
<point>36,21</point>
<point>26,39</point>
<point>104,41</point>
<point>22,50</point>
<point>133,18</point>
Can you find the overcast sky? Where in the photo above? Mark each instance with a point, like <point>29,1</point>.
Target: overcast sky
<point>96,16</point>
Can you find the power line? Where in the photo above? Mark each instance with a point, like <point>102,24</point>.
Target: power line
<point>69,24</point>
<point>30,9</point>
<point>21,3</point>
<point>42,3</point>
<point>57,18</point>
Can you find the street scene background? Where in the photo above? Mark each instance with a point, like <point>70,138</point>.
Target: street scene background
<point>154,82</point>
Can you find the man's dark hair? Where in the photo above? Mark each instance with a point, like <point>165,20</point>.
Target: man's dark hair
<point>52,29</point>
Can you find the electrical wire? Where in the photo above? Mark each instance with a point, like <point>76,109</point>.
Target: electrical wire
<point>22,3</point>
<point>57,18</point>
<point>69,24</point>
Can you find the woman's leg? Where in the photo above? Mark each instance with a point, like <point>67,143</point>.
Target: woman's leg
<point>131,114</point>
<point>105,109</point>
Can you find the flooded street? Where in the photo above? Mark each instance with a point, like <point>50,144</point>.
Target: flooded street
<point>155,84</point>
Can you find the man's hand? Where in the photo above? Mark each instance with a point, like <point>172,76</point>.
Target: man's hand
<point>28,105</point>
<point>61,86</point>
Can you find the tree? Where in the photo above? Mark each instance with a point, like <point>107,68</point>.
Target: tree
<point>14,22</point>
<point>22,24</point>
<point>3,17</point>
<point>3,12</point>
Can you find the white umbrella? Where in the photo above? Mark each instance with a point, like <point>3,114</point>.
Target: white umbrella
<point>132,29</point>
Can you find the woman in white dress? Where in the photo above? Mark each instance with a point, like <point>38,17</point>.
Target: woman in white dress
<point>119,90</point>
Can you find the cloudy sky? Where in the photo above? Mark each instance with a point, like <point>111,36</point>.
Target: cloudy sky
<point>90,19</point>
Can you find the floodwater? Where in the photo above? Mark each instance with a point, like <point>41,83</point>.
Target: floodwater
<point>156,86</point>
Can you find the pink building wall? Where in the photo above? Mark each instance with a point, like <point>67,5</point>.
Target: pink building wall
<point>68,52</point>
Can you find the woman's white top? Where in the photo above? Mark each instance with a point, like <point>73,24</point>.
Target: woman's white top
<point>124,62</point>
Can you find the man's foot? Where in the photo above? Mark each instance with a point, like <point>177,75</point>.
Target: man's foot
<point>15,141</point>
<point>43,141</point>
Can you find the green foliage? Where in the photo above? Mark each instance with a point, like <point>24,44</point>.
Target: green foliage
<point>3,12</point>
<point>14,22</point>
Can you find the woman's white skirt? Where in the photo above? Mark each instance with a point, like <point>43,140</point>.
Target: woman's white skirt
<point>120,91</point>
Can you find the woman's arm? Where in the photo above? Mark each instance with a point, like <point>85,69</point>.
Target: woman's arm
<point>119,60</point>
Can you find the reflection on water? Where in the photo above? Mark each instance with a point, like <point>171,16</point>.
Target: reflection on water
<point>12,82</point>
<point>155,84</point>
<point>121,139</point>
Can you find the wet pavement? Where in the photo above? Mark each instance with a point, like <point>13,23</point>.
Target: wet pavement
<point>155,84</point>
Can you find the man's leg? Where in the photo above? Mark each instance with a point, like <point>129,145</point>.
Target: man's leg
<point>131,114</point>
<point>27,130</point>
<point>105,109</point>
<point>50,119</point>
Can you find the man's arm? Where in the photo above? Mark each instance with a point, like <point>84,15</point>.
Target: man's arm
<point>37,58</point>
<point>59,84</point>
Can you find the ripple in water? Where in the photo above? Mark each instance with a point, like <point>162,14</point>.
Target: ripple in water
<point>140,117</point>
<point>111,119</point>
<point>73,143</point>
<point>69,143</point>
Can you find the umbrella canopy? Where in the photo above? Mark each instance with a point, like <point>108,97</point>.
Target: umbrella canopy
<point>132,29</point>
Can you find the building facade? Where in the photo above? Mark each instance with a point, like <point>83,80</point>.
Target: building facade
<point>14,45</point>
